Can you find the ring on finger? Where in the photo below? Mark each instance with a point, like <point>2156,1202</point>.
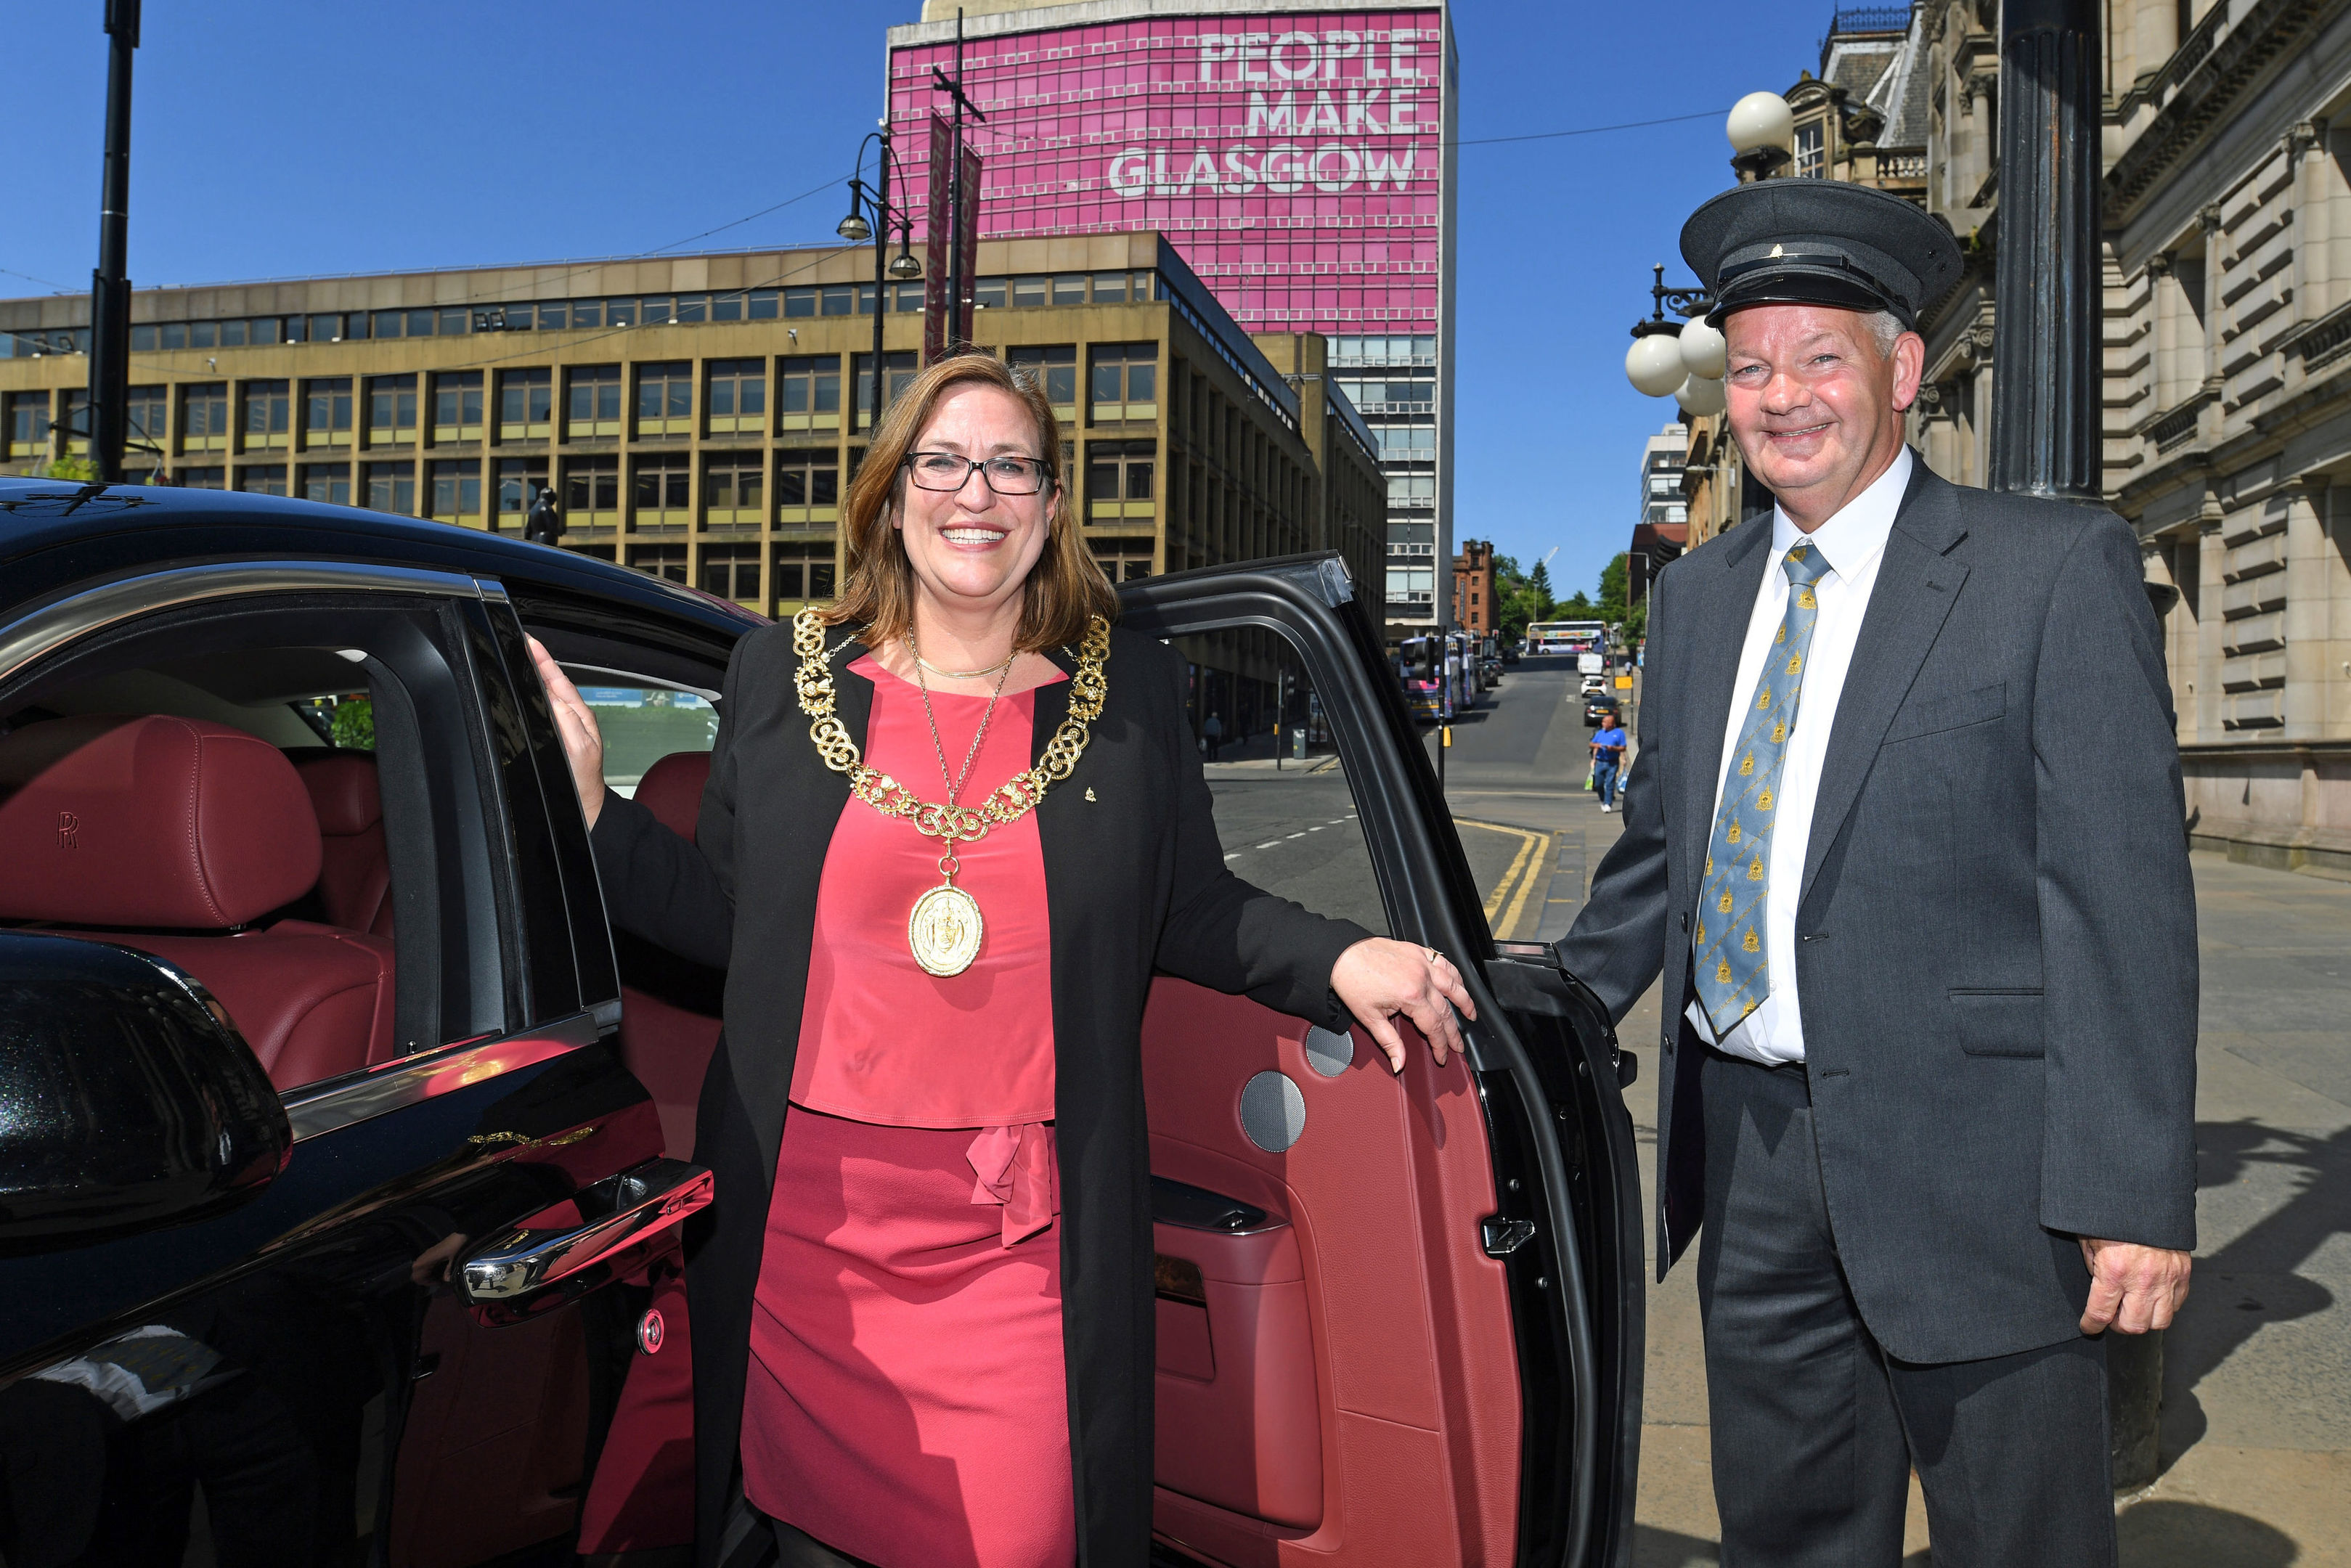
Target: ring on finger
<point>1433,955</point>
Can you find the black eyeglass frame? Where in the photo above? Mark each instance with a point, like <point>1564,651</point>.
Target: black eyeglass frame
<point>1045,479</point>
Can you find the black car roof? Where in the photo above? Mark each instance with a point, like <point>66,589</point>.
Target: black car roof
<point>51,531</point>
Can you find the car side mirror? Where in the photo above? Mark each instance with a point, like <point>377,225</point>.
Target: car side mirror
<point>127,1100</point>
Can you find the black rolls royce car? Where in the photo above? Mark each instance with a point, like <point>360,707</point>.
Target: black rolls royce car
<point>347,1173</point>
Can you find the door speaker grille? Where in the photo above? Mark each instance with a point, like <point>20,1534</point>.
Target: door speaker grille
<point>1273,1112</point>
<point>1328,1052</point>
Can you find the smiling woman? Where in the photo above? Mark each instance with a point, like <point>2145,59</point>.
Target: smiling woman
<point>954,825</point>
<point>972,545</point>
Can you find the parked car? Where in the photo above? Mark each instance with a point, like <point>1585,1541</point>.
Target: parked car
<point>1594,684</point>
<point>1600,709</point>
<point>346,1216</point>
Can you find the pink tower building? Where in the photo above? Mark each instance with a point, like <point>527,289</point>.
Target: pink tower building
<point>1299,160</point>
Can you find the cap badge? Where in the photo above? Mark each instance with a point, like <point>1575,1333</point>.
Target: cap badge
<point>1775,253</point>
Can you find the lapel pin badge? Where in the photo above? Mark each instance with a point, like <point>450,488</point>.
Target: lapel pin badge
<point>1090,794</point>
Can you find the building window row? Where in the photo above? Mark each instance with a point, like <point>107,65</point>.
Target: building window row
<point>573,315</point>
<point>1350,351</point>
<point>1036,291</point>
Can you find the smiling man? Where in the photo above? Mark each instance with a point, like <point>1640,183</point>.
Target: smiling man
<point>1905,843</point>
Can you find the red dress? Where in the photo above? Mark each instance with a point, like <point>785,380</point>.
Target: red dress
<point>906,1401</point>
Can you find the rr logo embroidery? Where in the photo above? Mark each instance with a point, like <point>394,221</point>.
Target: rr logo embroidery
<point>69,831</point>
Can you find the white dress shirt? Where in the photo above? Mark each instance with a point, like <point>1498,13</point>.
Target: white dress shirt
<point>1853,541</point>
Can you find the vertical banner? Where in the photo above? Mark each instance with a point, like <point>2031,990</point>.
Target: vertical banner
<point>967,241</point>
<point>935,327</point>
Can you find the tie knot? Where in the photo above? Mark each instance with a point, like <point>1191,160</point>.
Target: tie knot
<point>1805,564</point>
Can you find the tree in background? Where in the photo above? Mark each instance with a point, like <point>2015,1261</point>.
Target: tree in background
<point>1611,590</point>
<point>1539,582</point>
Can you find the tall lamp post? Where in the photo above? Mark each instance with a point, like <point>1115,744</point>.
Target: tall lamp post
<point>857,226</point>
<point>110,313</point>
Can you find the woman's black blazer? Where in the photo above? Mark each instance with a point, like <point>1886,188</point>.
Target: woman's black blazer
<point>1135,880</point>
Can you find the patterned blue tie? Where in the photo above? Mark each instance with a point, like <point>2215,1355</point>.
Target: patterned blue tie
<point>1733,977</point>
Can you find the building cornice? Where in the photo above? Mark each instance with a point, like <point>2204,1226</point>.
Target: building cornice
<point>2205,94</point>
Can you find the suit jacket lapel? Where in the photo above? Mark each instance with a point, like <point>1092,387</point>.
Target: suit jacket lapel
<point>1918,584</point>
<point>1717,630</point>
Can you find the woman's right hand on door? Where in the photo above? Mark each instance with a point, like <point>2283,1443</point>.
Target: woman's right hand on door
<point>583,743</point>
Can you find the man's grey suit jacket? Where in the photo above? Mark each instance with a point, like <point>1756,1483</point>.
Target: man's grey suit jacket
<point>1996,931</point>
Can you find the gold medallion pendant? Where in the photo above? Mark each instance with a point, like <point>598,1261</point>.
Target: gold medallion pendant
<point>945,927</point>
<point>944,930</point>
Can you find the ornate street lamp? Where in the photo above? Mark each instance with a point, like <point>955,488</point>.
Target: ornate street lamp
<point>856,229</point>
<point>1762,131</point>
<point>1658,364</point>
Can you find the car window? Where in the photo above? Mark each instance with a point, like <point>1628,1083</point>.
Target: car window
<point>317,762</point>
<point>643,724</point>
<point>1285,809</point>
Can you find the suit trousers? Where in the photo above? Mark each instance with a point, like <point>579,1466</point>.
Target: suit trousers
<point>1816,1429</point>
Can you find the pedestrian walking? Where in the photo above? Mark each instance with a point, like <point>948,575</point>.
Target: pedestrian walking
<point>1213,731</point>
<point>891,1365</point>
<point>1926,1086</point>
<point>1608,759</point>
<point>543,525</point>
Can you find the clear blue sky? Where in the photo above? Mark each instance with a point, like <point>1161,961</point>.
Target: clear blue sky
<point>278,139</point>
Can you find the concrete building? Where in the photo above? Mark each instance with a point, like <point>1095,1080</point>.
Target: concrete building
<point>1476,607</point>
<point>1299,160</point>
<point>700,416</point>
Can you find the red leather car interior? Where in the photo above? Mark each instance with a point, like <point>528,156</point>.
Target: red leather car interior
<point>355,870</point>
<point>173,832</point>
<point>642,1496</point>
<point>672,791</point>
<point>667,1046</point>
<point>1368,1284</point>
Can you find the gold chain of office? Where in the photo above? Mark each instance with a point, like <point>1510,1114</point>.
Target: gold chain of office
<point>949,821</point>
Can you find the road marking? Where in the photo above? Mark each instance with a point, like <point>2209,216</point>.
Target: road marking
<point>1274,845</point>
<point>1528,841</point>
<point>1234,856</point>
<point>1298,835</point>
<point>1535,870</point>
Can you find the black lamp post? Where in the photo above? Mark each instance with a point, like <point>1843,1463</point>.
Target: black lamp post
<point>875,200</point>
<point>110,339</point>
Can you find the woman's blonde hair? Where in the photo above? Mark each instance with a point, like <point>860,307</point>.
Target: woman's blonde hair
<point>1065,589</point>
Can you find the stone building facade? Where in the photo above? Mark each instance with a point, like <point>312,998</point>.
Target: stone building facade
<point>2227,212</point>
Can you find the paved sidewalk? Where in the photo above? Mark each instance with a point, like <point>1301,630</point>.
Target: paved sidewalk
<point>2257,1408</point>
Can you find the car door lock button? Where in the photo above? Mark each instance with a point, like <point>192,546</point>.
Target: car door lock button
<point>1504,1236</point>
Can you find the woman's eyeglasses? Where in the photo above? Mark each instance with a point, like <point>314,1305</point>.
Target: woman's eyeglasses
<point>951,471</point>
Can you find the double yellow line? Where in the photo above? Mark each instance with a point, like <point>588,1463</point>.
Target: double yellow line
<point>1528,867</point>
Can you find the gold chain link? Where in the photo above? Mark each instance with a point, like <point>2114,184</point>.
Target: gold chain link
<point>955,824</point>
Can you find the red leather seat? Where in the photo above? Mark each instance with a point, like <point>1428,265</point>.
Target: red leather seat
<point>672,791</point>
<point>355,870</point>
<point>668,1047</point>
<point>175,833</point>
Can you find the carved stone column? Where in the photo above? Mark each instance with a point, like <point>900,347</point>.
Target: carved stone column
<point>2046,438</point>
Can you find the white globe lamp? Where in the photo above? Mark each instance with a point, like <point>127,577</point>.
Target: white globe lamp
<point>1761,120</point>
<point>1654,364</point>
<point>1702,350</point>
<point>1699,396</point>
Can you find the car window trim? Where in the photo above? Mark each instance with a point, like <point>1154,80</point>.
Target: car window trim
<point>631,677</point>
<point>37,634</point>
<point>329,1107</point>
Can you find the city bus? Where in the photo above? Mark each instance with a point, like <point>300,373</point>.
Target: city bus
<point>1567,636</point>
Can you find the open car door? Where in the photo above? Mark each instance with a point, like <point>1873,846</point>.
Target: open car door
<point>1400,1320</point>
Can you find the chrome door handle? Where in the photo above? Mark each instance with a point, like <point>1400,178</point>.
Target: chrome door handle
<point>634,1206</point>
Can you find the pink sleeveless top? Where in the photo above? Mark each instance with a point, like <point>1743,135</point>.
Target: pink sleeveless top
<point>884,1041</point>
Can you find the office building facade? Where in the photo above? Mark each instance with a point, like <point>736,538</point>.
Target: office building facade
<point>699,417</point>
<point>1298,159</point>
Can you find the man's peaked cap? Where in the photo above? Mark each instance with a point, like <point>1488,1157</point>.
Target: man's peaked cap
<point>1820,242</point>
